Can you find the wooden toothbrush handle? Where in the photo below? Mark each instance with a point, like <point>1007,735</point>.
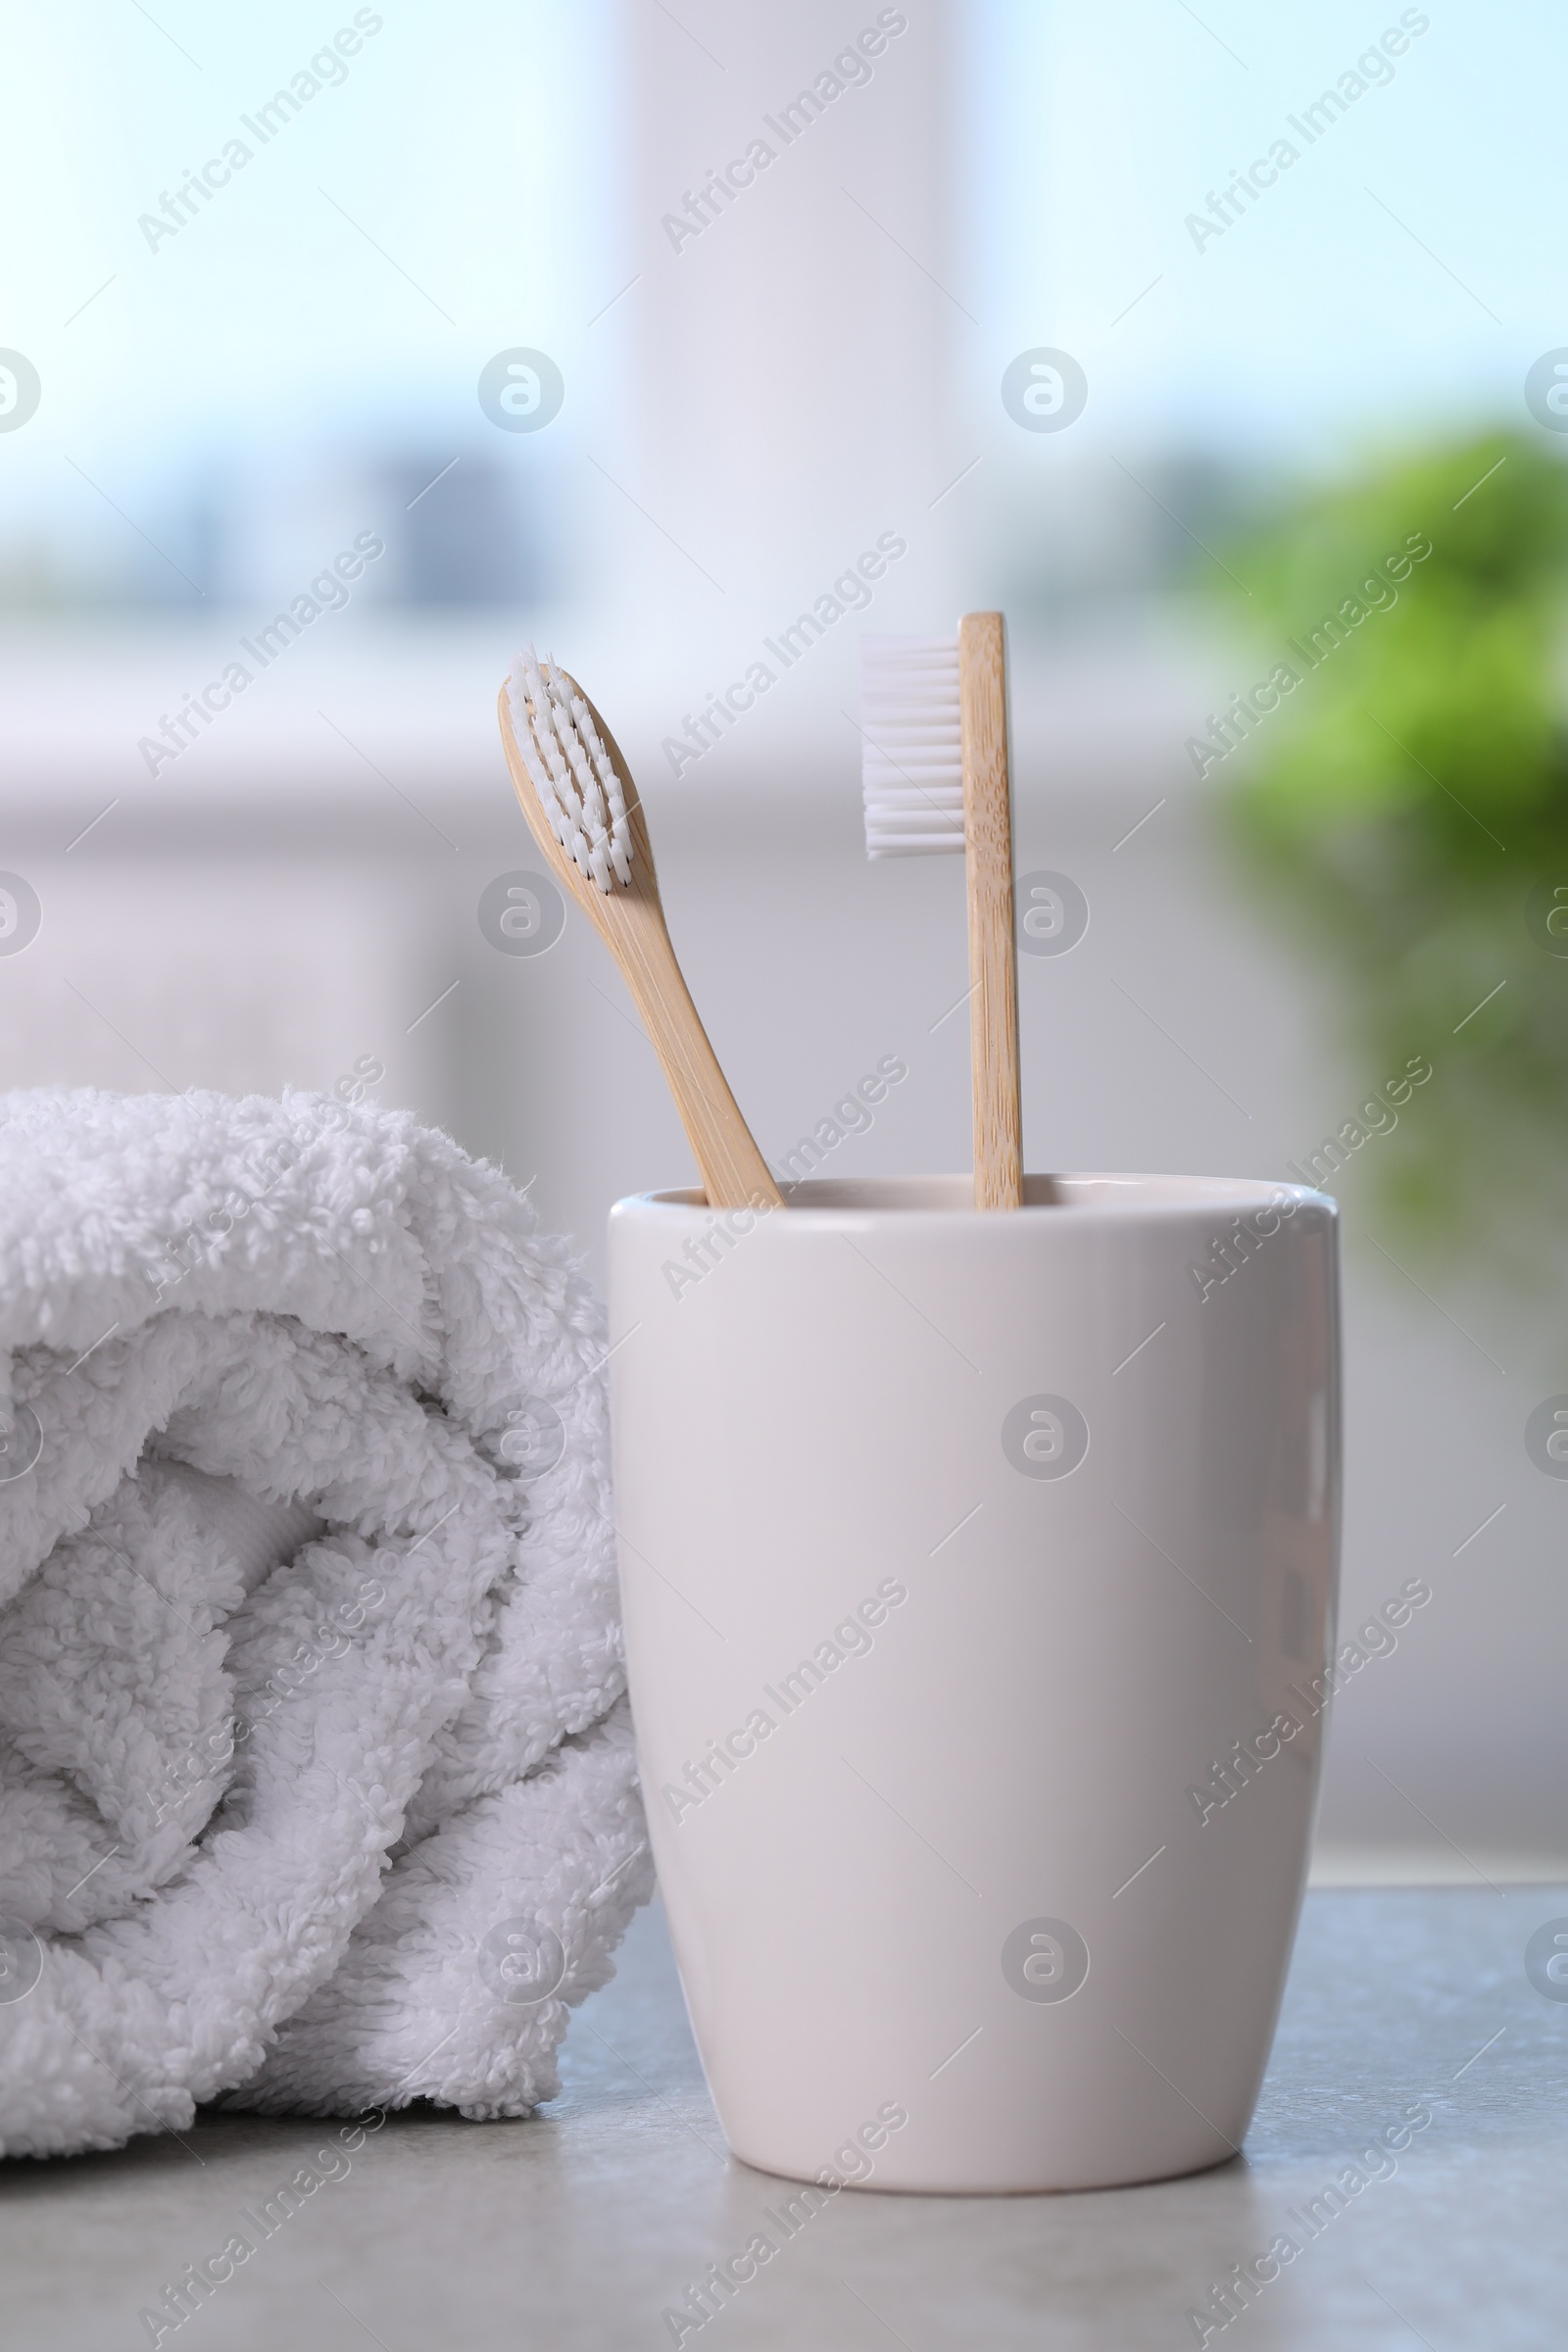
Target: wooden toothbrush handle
<point>734,1173</point>
<point>993,963</point>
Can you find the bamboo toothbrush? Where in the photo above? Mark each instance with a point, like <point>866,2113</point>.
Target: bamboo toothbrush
<point>584,811</point>
<point>934,775</point>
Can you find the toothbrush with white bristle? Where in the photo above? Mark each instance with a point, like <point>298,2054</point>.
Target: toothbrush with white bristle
<point>570,770</point>
<point>934,776</point>
<point>583,808</point>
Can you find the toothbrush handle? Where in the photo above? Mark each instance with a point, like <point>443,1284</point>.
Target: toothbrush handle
<point>734,1173</point>
<point>993,963</point>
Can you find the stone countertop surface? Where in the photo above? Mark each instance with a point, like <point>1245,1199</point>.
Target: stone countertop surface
<point>581,2227</point>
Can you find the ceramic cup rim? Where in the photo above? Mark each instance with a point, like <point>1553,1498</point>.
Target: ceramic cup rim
<point>945,1201</point>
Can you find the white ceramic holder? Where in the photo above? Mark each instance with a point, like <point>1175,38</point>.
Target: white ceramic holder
<point>977,1573</point>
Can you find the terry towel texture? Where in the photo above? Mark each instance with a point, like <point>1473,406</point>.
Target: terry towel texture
<point>317,1786</point>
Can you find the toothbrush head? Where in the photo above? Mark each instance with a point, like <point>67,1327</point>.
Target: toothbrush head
<point>570,770</point>
<point>911,757</point>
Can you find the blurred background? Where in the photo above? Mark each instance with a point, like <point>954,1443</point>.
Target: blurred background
<point>1173,332</point>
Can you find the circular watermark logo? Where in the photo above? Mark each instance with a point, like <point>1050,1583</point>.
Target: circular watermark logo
<point>1045,390</point>
<point>1546,1960</point>
<point>1546,916</point>
<point>1045,1960</point>
<point>1547,390</point>
<point>1045,1436</point>
<point>521,390</point>
<point>20,390</point>
<point>20,1442</point>
<point>522,914</point>
<point>20,1959</point>
<point>522,1962</point>
<point>1053,913</point>
<point>1547,1437</point>
<point>19,914</point>
<point>534,1438</point>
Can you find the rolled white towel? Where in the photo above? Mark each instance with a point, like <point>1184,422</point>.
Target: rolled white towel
<point>316,1785</point>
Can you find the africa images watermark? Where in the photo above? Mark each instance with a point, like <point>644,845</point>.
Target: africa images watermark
<point>1230,1251</point>
<point>327,593</point>
<point>850,70</point>
<point>1375,1116</point>
<point>199,2281</point>
<point>326,70</point>
<point>852,1639</point>
<point>851,1115</point>
<point>1377,1639</point>
<point>703,1252</point>
<point>854,2162</point>
<point>1245,2282</point>
<point>849,592</point>
<point>1373,69</point>
<point>1375,594</point>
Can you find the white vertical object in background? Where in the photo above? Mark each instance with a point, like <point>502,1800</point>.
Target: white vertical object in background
<point>791,352</point>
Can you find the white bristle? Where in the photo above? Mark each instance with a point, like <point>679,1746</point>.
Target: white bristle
<point>570,769</point>
<point>912,759</point>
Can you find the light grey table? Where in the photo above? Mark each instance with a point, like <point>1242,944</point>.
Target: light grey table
<point>580,2226</point>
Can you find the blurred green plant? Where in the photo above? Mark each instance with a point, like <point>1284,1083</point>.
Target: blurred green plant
<point>1406,806</point>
